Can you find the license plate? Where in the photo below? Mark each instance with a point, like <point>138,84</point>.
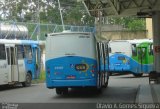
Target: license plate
<point>71,77</point>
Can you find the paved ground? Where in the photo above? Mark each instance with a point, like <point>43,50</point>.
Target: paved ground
<point>121,89</point>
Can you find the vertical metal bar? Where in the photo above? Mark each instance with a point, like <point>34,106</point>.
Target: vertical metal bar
<point>61,14</point>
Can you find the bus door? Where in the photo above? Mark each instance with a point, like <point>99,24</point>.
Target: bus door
<point>37,62</point>
<point>12,63</point>
<point>142,57</point>
<point>107,50</point>
<point>3,65</point>
<point>101,64</point>
<point>21,63</point>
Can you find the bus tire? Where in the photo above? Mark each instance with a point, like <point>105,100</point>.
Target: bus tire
<point>60,91</point>
<point>27,83</point>
<point>65,91</point>
<point>138,75</point>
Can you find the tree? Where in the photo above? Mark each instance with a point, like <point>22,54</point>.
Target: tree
<point>27,11</point>
<point>131,23</point>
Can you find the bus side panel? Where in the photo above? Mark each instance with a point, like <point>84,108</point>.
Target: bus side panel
<point>66,72</point>
<point>140,68</point>
<point>3,72</point>
<point>22,72</point>
<point>29,66</point>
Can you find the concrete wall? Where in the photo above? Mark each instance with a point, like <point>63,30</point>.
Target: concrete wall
<point>149,27</point>
<point>115,32</point>
<point>124,35</point>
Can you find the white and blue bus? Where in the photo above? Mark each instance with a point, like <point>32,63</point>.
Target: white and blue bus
<point>124,56</point>
<point>19,61</point>
<point>75,59</point>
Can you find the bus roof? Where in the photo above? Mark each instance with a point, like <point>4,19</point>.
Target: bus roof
<point>68,32</point>
<point>140,40</point>
<point>134,41</point>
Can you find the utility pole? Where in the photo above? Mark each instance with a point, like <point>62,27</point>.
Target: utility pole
<point>38,19</point>
<point>61,14</point>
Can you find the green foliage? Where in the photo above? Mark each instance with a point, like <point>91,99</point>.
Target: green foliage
<point>74,13</point>
<point>130,23</point>
<point>41,79</point>
<point>136,25</point>
<point>27,11</point>
<point>42,76</point>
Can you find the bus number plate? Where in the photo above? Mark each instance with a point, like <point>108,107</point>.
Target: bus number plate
<point>80,67</point>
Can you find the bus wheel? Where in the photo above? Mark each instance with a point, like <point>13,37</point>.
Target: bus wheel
<point>58,91</point>
<point>138,75</point>
<point>65,91</point>
<point>61,91</point>
<point>27,83</point>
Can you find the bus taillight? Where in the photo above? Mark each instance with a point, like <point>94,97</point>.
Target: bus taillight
<point>92,71</point>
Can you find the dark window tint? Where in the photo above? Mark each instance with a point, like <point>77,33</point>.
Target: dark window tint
<point>134,50</point>
<point>20,51</point>
<point>2,52</point>
<point>28,51</point>
<point>151,49</point>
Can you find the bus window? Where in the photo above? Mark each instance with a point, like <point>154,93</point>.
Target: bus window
<point>28,51</point>
<point>12,55</point>
<point>20,51</point>
<point>143,51</point>
<point>134,50</point>
<point>151,49</point>
<point>2,53</point>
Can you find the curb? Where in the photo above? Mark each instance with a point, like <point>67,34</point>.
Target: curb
<point>144,94</point>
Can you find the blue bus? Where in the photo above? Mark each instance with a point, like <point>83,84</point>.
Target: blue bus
<point>124,56</point>
<point>19,61</point>
<point>75,59</point>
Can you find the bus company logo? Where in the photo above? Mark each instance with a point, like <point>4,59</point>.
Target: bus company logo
<point>3,66</point>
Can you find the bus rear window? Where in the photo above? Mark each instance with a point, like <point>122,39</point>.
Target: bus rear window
<point>121,58</point>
